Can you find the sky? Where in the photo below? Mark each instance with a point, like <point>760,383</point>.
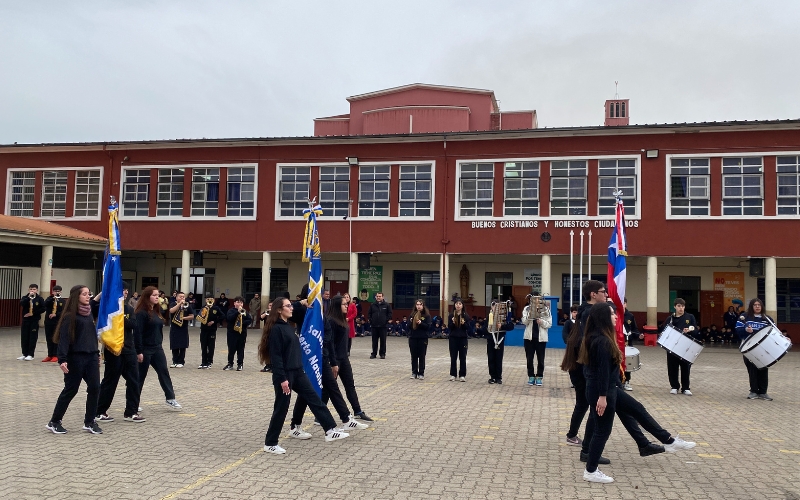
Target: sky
<point>149,70</point>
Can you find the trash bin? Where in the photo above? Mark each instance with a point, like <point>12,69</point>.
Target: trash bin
<point>650,335</point>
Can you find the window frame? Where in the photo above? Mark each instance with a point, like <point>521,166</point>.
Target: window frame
<point>522,199</point>
<point>707,177</point>
<point>778,174</point>
<point>87,194</point>
<point>617,177</point>
<point>55,192</point>
<point>459,186</point>
<point>11,171</point>
<point>416,200</point>
<point>254,166</point>
<point>431,300</point>
<point>388,192</point>
<point>173,173</point>
<point>568,187</point>
<point>205,185</point>
<point>336,183</point>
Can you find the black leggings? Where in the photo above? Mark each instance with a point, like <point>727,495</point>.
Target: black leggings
<point>602,424</point>
<point>418,348</point>
<point>346,376</point>
<point>127,366</point>
<point>535,347</point>
<point>330,389</point>
<point>81,366</point>
<point>458,351</point>
<point>156,359</point>
<point>581,404</point>
<point>299,383</point>
<point>759,379</point>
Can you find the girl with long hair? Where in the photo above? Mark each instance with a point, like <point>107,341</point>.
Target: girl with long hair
<point>149,332</point>
<point>78,358</point>
<point>340,322</point>
<point>752,321</point>
<point>352,312</point>
<point>458,325</point>
<point>418,338</point>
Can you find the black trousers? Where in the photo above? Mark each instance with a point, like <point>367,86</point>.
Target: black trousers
<point>602,424</point>
<point>379,334</point>
<point>29,335</point>
<point>534,347</point>
<point>495,359</point>
<point>673,363</point>
<point>155,357</point>
<point>349,344</point>
<point>458,351</point>
<point>236,342</point>
<point>179,356</point>
<point>581,404</point>
<point>49,331</point>
<point>126,366</point>
<point>299,383</point>
<point>418,348</point>
<point>349,383</point>
<point>330,390</point>
<point>759,379</point>
<point>208,341</point>
<point>81,366</point>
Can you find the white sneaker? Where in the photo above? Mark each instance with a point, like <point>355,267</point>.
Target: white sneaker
<point>674,391</point>
<point>420,377</point>
<point>596,477</point>
<point>179,365</point>
<point>452,378</point>
<point>28,358</point>
<point>679,444</point>
<point>174,404</point>
<point>687,392</point>
<point>274,449</point>
<point>299,433</point>
<point>462,379</point>
<point>141,409</point>
<point>627,386</point>
<point>173,365</point>
<point>352,424</point>
<point>21,358</point>
<point>413,376</point>
<point>334,434</point>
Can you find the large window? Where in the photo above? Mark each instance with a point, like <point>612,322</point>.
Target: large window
<point>616,175</point>
<point>334,190</point>
<point>521,188</point>
<point>412,285</point>
<point>415,190</point>
<point>476,190</point>
<point>788,185</point>
<point>788,295</point>
<point>241,201</point>
<point>568,187</point>
<point>373,191</point>
<point>54,193</point>
<point>87,193</point>
<point>170,192</point>
<point>205,192</point>
<point>294,190</point>
<point>742,192</point>
<point>689,186</point>
<point>23,187</point>
<point>136,193</point>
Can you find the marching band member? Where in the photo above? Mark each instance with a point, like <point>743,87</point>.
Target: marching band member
<point>418,338</point>
<point>685,323</point>
<point>210,316</point>
<point>53,307</point>
<point>458,324</point>
<point>753,320</point>
<point>32,308</point>
<point>181,313</point>
<point>149,332</point>
<point>264,315</point>
<point>631,332</point>
<point>536,343</point>
<point>238,320</point>
<point>495,348</point>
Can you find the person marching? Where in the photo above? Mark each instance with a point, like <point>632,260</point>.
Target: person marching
<point>210,316</point>
<point>181,313</point>
<point>79,359</point>
<point>341,351</point>
<point>631,333</point>
<point>458,324</point>
<point>418,338</point>
<point>149,332</point>
<point>750,322</point>
<point>280,348</point>
<point>536,343</point>
<point>264,315</point>
<point>238,320</point>
<point>352,312</point>
<point>32,306</point>
<point>53,307</point>
<point>685,323</point>
<point>379,315</point>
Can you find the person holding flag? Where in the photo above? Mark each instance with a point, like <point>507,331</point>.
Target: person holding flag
<point>617,271</point>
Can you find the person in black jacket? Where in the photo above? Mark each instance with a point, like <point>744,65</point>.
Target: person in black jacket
<point>380,313</point>
<point>79,359</point>
<point>53,308</point>
<point>210,317</point>
<point>181,312</point>
<point>32,306</point>
<point>495,350</point>
<point>418,338</point>
<point>238,320</point>
<point>685,323</point>
<point>631,333</point>
<point>458,323</point>
<point>280,348</point>
<point>224,304</point>
<point>566,329</point>
<point>149,335</point>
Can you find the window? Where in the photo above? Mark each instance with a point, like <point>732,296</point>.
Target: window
<point>788,182</point>
<point>205,192</point>
<point>334,190</point>
<point>616,175</point>
<point>788,295</point>
<point>241,200</point>
<point>521,188</point>
<point>54,193</point>
<point>136,193</point>
<point>373,191</point>
<point>689,182</point>
<point>170,192</point>
<point>476,190</point>
<point>568,187</point>
<point>87,193</point>
<point>23,186</point>
<point>742,192</point>
<point>294,185</point>
<point>412,285</point>
<point>415,190</point>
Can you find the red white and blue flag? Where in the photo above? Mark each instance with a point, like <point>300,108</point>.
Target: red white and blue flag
<point>617,272</point>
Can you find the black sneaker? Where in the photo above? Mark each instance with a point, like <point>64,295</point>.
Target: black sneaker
<point>383,357</point>
<point>229,366</point>
<point>266,369</point>
<point>363,416</point>
<point>491,381</point>
<point>93,428</point>
<point>498,381</point>
<point>372,356</point>
<point>239,368</point>
<point>651,449</point>
<point>55,427</point>
<point>602,461</point>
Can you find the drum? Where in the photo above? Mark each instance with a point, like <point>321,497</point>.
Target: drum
<point>632,358</point>
<point>679,344</point>
<point>765,347</point>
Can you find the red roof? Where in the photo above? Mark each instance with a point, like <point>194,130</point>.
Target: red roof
<point>45,228</point>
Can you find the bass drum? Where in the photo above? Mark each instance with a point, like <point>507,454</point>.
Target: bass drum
<point>765,347</point>
<point>679,344</point>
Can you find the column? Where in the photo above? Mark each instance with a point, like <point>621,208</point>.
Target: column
<point>652,291</point>
<point>546,290</point>
<point>444,265</point>
<point>47,271</point>
<point>266,271</point>
<point>352,277</point>
<point>186,261</point>
<point>771,287</point>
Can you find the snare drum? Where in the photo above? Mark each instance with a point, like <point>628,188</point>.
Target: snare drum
<point>632,359</point>
<point>679,344</point>
<point>765,347</point>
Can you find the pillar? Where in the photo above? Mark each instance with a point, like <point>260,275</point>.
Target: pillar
<point>546,290</point>
<point>186,273</point>
<point>444,265</point>
<point>352,277</point>
<point>770,287</point>
<point>47,271</point>
<point>266,271</point>
<point>652,291</point>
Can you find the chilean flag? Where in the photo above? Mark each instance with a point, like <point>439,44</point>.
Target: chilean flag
<point>617,273</point>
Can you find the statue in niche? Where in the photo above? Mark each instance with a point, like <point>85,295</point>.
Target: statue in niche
<point>464,277</point>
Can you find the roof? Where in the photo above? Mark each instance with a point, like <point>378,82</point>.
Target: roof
<point>36,231</point>
<point>427,86</point>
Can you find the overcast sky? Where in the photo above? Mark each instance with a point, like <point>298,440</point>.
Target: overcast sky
<point>114,70</point>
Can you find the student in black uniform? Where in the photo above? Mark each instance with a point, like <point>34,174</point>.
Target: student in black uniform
<point>53,307</point>
<point>79,359</point>
<point>686,324</point>
<point>752,321</point>
<point>280,348</point>
<point>495,348</point>
<point>418,338</point>
<point>181,312</point>
<point>458,323</point>
<point>342,354</point>
<point>224,304</point>
<point>238,320</point>
<point>566,329</point>
<point>149,332</point>
<point>632,332</point>
<point>210,317</point>
<point>32,306</point>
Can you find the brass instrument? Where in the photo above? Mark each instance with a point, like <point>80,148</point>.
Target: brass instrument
<point>497,316</point>
<point>177,318</point>
<point>537,307</point>
<point>55,304</point>
<point>30,303</point>
<point>238,326</point>
<point>203,316</point>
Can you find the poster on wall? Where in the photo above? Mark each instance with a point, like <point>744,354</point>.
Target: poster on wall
<point>732,286</point>
<point>533,278</point>
<point>371,280</point>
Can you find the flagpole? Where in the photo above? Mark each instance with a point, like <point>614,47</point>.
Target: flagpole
<point>580,272</point>
<point>571,264</point>
<point>589,265</point>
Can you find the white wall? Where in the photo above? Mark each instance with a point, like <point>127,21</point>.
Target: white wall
<point>67,278</point>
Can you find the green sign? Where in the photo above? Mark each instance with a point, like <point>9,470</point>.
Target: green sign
<point>370,280</point>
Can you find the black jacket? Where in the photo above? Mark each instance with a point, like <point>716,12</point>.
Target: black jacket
<point>48,309</point>
<point>458,332</point>
<point>85,338</point>
<point>601,373</point>
<point>630,326</point>
<point>38,307</point>
<point>420,331</point>
<point>380,314</point>
<point>148,330</point>
<point>567,329</point>
<point>129,343</point>
<point>216,315</point>
<point>284,351</point>
<point>232,317</point>
<point>339,339</point>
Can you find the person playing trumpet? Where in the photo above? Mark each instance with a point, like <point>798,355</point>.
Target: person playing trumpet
<point>180,313</point>
<point>685,323</point>
<point>238,320</point>
<point>53,306</point>
<point>210,317</point>
<point>32,308</point>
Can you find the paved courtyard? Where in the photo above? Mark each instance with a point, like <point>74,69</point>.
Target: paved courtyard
<point>431,439</point>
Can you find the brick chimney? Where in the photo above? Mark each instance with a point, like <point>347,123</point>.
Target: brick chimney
<point>617,112</point>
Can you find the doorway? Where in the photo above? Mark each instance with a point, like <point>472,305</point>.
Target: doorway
<point>499,286</point>
<point>687,288</point>
<point>201,281</point>
<point>336,281</point>
<point>712,308</point>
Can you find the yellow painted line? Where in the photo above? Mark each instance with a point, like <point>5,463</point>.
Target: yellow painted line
<point>9,393</point>
<point>211,407</point>
<point>501,404</point>
<point>393,411</point>
<point>233,401</point>
<point>29,404</point>
<point>211,476</point>
<point>487,438</point>
<point>497,411</point>
<point>773,440</point>
<point>489,427</point>
<point>796,452</point>
<point>689,433</point>
<point>494,418</point>
<point>380,419</point>
<point>186,415</point>
<point>702,444</point>
<point>708,455</point>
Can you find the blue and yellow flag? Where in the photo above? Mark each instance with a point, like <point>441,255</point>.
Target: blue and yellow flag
<point>111,318</point>
<point>313,329</point>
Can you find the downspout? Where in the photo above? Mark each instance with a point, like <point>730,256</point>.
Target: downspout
<point>443,306</point>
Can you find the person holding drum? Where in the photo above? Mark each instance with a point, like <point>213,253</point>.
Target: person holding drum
<point>684,323</point>
<point>748,323</point>
<point>631,332</point>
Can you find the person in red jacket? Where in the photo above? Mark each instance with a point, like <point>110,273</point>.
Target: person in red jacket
<point>352,312</point>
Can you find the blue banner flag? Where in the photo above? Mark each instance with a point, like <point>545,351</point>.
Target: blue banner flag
<point>312,331</point>
<point>111,318</point>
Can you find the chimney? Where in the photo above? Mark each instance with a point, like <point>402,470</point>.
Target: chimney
<point>617,112</point>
